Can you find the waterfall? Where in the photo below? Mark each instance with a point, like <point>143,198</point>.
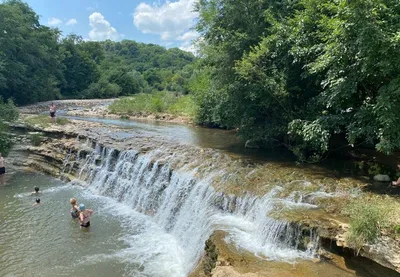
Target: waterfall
<point>190,209</point>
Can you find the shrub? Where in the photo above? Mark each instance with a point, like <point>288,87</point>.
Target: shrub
<point>156,102</point>
<point>366,221</point>
<point>8,111</point>
<point>44,120</point>
<point>36,138</point>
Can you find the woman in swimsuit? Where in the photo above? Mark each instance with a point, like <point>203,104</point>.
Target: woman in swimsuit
<point>53,112</point>
<point>74,209</point>
<point>84,216</point>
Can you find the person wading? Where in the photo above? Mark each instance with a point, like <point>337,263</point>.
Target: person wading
<point>84,216</point>
<point>2,170</point>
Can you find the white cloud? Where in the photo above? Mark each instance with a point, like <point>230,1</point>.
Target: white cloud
<point>72,21</point>
<point>170,20</point>
<point>54,21</point>
<point>101,28</point>
<point>189,36</point>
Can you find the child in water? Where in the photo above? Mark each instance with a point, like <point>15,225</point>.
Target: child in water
<point>84,216</point>
<point>74,209</point>
<point>36,192</point>
<point>37,203</point>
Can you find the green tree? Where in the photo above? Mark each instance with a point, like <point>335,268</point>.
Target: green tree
<point>80,67</point>
<point>29,55</point>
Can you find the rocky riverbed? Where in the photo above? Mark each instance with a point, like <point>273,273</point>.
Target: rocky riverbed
<point>320,193</point>
<point>99,108</point>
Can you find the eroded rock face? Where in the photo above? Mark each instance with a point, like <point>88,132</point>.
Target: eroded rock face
<point>386,251</point>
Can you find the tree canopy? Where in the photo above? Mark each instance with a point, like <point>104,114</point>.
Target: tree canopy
<point>302,72</point>
<point>37,64</point>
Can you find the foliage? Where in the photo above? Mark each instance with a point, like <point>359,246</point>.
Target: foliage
<point>184,106</point>
<point>301,73</point>
<point>8,112</point>
<point>35,138</point>
<point>37,64</point>
<point>44,120</point>
<point>5,139</point>
<point>369,217</point>
<point>30,68</point>
<point>157,102</point>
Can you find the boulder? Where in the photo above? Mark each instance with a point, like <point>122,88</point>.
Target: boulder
<point>382,178</point>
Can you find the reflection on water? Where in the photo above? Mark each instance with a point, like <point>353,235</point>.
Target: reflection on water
<point>225,140</point>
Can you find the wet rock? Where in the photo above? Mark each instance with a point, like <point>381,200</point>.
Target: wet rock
<point>382,178</point>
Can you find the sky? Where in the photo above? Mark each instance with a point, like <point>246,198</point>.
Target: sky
<point>167,23</point>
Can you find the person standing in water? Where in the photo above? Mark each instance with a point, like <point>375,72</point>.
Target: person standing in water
<point>84,216</point>
<point>53,112</point>
<point>75,209</point>
<point>2,170</point>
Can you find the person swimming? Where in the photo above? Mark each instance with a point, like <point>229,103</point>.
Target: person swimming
<point>36,192</point>
<point>84,216</point>
<point>75,209</point>
<point>37,202</point>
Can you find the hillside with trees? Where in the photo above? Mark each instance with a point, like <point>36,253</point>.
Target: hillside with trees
<point>37,63</point>
<point>302,74</point>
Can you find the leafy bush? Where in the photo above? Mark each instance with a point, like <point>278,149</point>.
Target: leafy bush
<point>5,139</point>
<point>44,120</point>
<point>366,221</point>
<point>36,139</point>
<point>8,110</point>
<point>158,102</point>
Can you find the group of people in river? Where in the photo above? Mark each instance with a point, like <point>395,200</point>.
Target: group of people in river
<point>78,212</point>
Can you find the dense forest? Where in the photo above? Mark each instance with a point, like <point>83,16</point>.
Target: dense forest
<point>302,73</point>
<point>297,73</point>
<point>37,63</point>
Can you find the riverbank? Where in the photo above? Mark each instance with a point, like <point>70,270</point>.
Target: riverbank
<point>100,108</point>
<point>316,196</point>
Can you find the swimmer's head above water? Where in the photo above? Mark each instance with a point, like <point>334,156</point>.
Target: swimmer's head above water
<point>38,200</point>
<point>37,189</point>
<point>82,207</point>
<point>72,201</point>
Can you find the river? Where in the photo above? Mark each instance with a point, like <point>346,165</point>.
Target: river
<point>148,220</point>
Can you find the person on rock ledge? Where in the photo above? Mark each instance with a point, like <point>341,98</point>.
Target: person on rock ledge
<point>53,113</point>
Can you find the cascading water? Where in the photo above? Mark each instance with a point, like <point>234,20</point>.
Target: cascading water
<point>188,209</point>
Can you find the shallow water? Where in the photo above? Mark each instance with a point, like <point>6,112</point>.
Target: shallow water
<point>45,240</point>
<point>225,140</point>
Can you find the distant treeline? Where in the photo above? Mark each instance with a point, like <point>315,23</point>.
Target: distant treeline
<point>37,63</point>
